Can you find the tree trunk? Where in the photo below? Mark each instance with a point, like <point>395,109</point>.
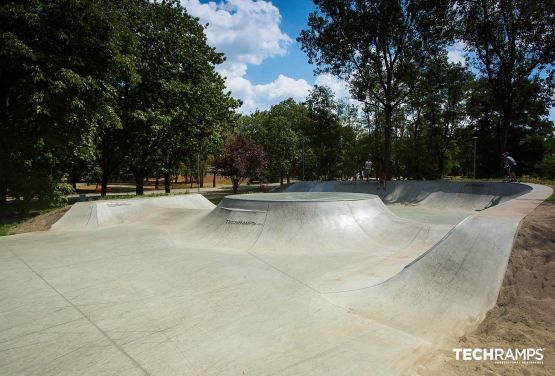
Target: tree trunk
<point>74,181</point>
<point>201,173</point>
<point>105,167</point>
<point>214,179</point>
<point>104,187</point>
<point>441,163</point>
<point>176,178</point>
<point>3,193</point>
<point>167,182</point>
<point>507,119</point>
<point>387,139</point>
<point>235,185</point>
<point>139,182</point>
<point>281,180</point>
<point>288,179</point>
<point>157,183</point>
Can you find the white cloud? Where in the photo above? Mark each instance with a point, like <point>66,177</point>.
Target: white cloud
<point>339,87</point>
<point>248,32</point>
<point>456,53</point>
<point>263,96</point>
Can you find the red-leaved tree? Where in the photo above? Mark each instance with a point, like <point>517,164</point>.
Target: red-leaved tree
<point>240,159</point>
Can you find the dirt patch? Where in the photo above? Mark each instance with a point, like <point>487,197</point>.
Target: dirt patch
<point>524,316</point>
<point>41,222</point>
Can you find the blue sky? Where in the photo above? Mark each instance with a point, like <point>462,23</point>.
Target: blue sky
<point>295,64</point>
<point>265,64</point>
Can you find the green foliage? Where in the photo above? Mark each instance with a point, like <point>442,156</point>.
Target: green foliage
<point>277,131</point>
<point>377,47</point>
<point>323,131</point>
<point>58,63</point>
<point>546,168</point>
<point>290,132</point>
<point>90,88</point>
<point>513,43</point>
<point>428,126</point>
<point>179,104</point>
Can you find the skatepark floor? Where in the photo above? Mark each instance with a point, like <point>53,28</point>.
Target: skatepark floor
<point>528,291</point>
<point>255,286</point>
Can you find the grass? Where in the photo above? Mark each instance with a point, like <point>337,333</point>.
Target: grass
<point>10,216</point>
<point>6,227</point>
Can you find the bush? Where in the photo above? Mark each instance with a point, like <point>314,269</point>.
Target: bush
<point>546,168</point>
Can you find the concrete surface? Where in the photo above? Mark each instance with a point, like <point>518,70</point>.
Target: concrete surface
<point>293,283</point>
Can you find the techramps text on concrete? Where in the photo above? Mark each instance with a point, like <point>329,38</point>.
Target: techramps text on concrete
<point>327,278</point>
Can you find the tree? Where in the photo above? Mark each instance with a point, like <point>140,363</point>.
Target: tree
<point>323,130</point>
<point>277,131</point>
<point>59,61</point>
<point>179,102</point>
<point>529,133</point>
<point>512,40</point>
<point>377,46</point>
<point>241,159</point>
<point>437,108</point>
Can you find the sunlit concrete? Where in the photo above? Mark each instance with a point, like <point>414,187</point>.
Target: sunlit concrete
<point>323,282</point>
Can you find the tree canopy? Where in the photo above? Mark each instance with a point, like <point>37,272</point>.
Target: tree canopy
<point>98,87</point>
<point>241,159</point>
<point>377,47</point>
<point>512,42</point>
<point>98,90</point>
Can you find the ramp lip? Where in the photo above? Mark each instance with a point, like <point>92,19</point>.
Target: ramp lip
<point>302,197</point>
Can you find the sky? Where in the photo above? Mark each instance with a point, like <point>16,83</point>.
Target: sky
<point>264,62</point>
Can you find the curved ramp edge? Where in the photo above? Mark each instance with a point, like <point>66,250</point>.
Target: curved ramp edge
<point>449,290</point>
<point>94,214</point>
<point>434,193</point>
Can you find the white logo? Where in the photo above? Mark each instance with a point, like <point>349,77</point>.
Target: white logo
<point>501,356</point>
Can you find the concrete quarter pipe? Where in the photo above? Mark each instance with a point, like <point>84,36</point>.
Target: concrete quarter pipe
<point>322,279</point>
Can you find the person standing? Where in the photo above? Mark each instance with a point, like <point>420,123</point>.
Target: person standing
<point>510,165</point>
<point>382,177</point>
<point>368,168</point>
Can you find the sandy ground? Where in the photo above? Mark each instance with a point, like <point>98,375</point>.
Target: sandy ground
<point>41,222</point>
<point>524,316</point>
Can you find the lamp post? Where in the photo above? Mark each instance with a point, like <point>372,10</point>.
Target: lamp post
<point>198,172</point>
<point>302,132</point>
<point>475,138</point>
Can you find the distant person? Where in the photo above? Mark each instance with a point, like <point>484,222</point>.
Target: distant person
<point>368,168</point>
<point>510,166</point>
<point>382,177</point>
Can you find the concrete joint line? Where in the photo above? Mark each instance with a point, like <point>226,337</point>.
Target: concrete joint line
<point>135,362</point>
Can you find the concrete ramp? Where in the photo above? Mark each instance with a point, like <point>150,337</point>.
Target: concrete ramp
<point>95,214</point>
<point>328,282</point>
<point>434,194</point>
<point>345,240</point>
<point>448,289</point>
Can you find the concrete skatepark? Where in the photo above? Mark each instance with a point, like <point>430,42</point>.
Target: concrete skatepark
<point>325,278</point>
